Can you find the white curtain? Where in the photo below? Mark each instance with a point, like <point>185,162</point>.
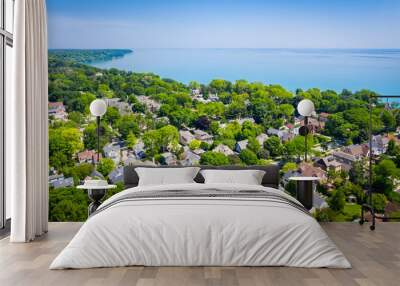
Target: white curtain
<point>26,119</point>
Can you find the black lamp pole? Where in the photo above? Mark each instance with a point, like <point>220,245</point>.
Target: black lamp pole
<point>98,138</point>
<point>305,137</point>
<point>368,206</point>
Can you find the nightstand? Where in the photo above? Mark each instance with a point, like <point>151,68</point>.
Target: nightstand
<point>95,194</point>
<point>304,191</point>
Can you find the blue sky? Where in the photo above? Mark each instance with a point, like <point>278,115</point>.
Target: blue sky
<point>224,24</point>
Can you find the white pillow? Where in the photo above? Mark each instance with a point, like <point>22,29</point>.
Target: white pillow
<point>166,176</point>
<point>248,177</point>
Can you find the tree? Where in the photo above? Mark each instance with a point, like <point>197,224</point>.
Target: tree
<point>358,174</point>
<point>253,145</point>
<point>337,201</point>
<point>78,172</point>
<point>249,130</point>
<point>388,120</point>
<point>289,166</point>
<point>296,146</point>
<point>274,146</point>
<point>234,160</point>
<point>194,144</point>
<point>194,85</point>
<point>105,166</point>
<point>212,109</point>
<point>286,110</point>
<point>112,115</point>
<point>90,135</point>
<point>214,159</point>
<point>160,140</point>
<point>67,204</point>
<point>105,91</point>
<point>237,108</point>
<point>220,85</point>
<point>131,140</point>
<point>127,124</point>
<point>379,202</point>
<point>393,149</point>
<point>385,173</point>
<point>76,117</point>
<point>214,127</point>
<point>351,189</point>
<point>248,157</point>
<point>203,122</point>
<point>64,142</point>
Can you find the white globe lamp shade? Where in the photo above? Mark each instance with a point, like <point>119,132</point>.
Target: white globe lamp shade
<point>98,107</point>
<point>306,107</point>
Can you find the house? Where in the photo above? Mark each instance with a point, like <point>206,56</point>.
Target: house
<point>134,162</point>
<point>213,97</point>
<point>190,158</point>
<point>308,170</point>
<point>379,144</point>
<point>131,160</point>
<point>57,110</point>
<point>262,138</point>
<point>284,135</point>
<point>113,151</point>
<point>330,163</point>
<point>88,156</point>
<point>185,137</point>
<point>59,181</point>
<point>221,148</point>
<point>151,105</point>
<point>164,120</point>
<point>241,145</point>
<point>359,151</point>
<point>167,158</point>
<point>323,117</point>
<point>203,136</point>
<point>123,107</point>
<point>344,157</point>
<point>242,120</point>
<point>198,151</point>
<point>273,131</point>
<point>196,92</point>
<point>139,150</point>
<point>297,121</point>
<point>116,175</point>
<point>314,125</point>
<point>318,201</point>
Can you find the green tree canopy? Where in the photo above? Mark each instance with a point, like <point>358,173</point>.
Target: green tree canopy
<point>214,159</point>
<point>64,142</point>
<point>105,166</point>
<point>248,157</point>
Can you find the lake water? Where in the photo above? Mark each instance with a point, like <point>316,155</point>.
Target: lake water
<point>377,69</point>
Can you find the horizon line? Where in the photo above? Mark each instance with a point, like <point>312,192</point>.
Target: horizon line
<point>233,48</point>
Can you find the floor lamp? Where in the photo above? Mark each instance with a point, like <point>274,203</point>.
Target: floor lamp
<point>98,108</point>
<point>368,206</point>
<point>305,108</point>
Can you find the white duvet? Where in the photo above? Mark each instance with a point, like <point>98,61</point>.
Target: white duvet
<point>202,232</point>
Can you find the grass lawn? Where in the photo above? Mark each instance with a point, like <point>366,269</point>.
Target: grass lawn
<point>350,212</point>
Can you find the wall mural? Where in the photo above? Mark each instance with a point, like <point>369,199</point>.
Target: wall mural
<point>226,107</point>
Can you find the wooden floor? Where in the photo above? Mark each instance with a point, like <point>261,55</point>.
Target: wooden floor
<point>375,257</point>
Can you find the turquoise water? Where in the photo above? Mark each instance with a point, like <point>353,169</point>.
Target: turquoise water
<point>377,69</point>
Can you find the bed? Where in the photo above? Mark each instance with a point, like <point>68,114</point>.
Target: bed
<point>198,224</point>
